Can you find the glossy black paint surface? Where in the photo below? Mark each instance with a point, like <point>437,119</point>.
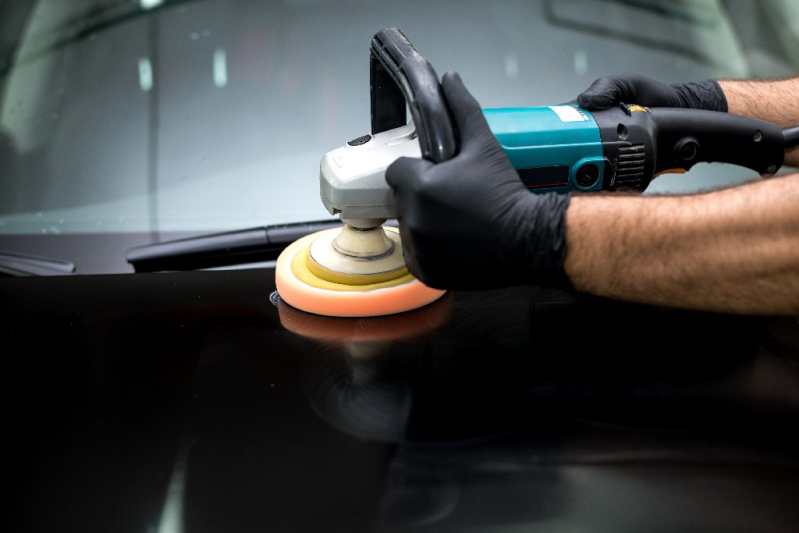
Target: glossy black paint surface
<point>192,402</point>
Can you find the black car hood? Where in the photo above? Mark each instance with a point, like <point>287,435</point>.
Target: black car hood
<point>201,400</point>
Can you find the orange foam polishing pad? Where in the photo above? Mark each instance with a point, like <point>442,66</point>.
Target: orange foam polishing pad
<point>300,288</point>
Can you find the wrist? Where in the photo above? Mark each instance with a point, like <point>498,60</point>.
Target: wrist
<point>545,240</point>
<point>706,94</point>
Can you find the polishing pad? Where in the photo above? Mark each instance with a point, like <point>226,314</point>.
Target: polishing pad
<point>332,293</point>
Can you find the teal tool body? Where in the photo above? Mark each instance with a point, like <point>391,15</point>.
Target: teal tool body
<point>548,145</point>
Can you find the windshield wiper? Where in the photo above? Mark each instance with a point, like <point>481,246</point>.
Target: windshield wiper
<point>16,264</point>
<point>226,249</point>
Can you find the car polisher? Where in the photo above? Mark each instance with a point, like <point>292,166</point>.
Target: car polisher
<point>359,271</point>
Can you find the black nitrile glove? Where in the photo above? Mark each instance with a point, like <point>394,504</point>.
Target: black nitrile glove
<point>469,223</point>
<point>632,88</point>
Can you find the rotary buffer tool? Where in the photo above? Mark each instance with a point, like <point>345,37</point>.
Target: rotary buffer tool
<point>359,271</point>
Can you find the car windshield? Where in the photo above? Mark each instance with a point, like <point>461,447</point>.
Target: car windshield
<point>160,117</point>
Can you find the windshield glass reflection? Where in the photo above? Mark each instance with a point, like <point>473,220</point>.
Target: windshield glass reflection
<point>162,115</point>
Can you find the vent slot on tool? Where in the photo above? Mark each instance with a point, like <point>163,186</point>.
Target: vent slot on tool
<point>630,167</point>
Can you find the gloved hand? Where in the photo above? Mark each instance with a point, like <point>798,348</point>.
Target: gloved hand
<point>469,223</point>
<point>632,88</point>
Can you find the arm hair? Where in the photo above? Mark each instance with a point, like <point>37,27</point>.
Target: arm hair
<point>733,250</point>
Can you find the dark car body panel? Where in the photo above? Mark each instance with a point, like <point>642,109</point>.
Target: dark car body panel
<point>200,399</point>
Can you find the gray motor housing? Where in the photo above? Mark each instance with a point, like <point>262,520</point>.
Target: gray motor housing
<point>352,177</point>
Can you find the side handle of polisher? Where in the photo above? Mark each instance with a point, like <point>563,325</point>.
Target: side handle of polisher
<point>394,59</point>
<point>688,136</point>
<point>352,178</point>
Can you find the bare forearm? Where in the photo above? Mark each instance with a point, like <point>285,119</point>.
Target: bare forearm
<point>773,100</point>
<point>734,250</point>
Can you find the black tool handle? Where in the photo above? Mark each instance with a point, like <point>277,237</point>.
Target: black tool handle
<point>399,75</point>
<point>689,136</point>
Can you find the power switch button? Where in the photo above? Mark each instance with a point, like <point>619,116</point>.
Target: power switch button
<point>360,140</point>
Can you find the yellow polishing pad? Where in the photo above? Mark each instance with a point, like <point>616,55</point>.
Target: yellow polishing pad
<point>325,292</point>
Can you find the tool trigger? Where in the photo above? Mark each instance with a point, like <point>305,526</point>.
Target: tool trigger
<point>670,171</point>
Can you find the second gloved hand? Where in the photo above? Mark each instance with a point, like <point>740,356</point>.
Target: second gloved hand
<point>633,88</point>
<point>469,223</point>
